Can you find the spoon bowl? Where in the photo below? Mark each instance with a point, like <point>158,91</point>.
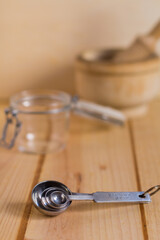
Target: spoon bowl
<point>51,197</point>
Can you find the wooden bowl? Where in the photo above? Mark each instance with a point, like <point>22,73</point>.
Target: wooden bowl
<point>128,86</point>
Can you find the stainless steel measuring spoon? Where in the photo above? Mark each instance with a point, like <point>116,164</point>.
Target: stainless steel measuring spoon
<point>53,198</point>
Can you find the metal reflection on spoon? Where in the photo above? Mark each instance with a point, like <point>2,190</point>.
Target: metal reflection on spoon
<point>53,198</point>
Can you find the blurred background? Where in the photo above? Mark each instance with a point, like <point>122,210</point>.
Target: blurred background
<point>40,38</point>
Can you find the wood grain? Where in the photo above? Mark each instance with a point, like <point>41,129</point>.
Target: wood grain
<point>17,172</point>
<point>97,158</point>
<point>146,134</point>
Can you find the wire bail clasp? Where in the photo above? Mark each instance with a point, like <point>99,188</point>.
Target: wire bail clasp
<point>10,114</point>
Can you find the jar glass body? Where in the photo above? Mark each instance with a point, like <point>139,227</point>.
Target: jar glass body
<point>44,117</point>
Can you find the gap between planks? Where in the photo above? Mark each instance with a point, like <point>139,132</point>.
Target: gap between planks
<point>142,211</point>
<point>27,209</point>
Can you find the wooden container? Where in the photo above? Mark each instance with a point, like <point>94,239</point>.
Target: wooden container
<point>127,86</point>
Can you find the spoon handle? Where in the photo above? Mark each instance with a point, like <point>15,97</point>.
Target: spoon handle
<point>112,197</point>
<point>121,197</point>
<point>81,196</point>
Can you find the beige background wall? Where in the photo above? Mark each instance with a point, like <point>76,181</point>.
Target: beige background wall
<point>40,38</point>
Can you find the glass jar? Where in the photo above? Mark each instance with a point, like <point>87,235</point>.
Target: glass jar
<point>42,117</point>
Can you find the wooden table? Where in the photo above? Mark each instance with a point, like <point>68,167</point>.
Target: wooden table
<point>97,158</point>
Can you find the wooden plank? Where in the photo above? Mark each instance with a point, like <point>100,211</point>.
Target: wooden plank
<point>17,175</point>
<point>97,158</point>
<point>146,139</point>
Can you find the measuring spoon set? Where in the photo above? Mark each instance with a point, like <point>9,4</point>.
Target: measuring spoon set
<point>53,198</point>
